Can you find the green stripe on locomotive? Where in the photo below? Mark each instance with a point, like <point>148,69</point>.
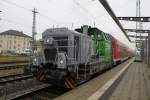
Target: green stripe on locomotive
<point>103,44</point>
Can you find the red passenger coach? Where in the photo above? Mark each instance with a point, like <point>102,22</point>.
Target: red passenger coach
<point>120,52</point>
<point>116,52</point>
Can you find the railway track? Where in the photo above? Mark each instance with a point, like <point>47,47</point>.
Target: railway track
<point>16,81</point>
<point>45,94</point>
<point>12,69</point>
<point>10,65</point>
<point>26,87</point>
<point>15,86</point>
<point>9,79</point>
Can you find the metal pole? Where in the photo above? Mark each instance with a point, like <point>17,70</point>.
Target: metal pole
<point>0,12</point>
<point>145,51</point>
<point>149,49</point>
<point>34,32</point>
<point>136,29</point>
<point>138,24</point>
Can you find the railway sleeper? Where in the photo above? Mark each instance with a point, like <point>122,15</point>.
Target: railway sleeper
<point>14,78</point>
<point>17,86</point>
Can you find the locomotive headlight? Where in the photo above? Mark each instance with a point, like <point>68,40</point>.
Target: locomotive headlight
<point>49,40</point>
<point>34,59</point>
<point>61,61</point>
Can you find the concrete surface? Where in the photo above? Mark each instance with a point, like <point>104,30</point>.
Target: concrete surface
<point>83,92</point>
<point>135,85</point>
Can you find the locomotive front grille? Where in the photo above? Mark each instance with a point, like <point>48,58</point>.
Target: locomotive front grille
<point>50,54</point>
<point>60,44</point>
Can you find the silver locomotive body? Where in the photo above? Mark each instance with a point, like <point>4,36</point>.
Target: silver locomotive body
<point>64,51</point>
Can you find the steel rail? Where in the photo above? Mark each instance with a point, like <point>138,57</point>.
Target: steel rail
<point>13,65</point>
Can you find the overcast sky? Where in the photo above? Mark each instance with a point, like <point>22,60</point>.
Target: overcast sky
<point>68,13</point>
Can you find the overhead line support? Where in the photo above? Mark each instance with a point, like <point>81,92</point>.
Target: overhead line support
<point>137,19</point>
<point>112,14</point>
<point>133,36</point>
<point>34,31</point>
<point>138,30</point>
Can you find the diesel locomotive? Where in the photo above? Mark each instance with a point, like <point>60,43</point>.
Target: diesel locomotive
<point>73,57</point>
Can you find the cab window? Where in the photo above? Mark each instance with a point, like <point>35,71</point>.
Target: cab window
<point>105,36</point>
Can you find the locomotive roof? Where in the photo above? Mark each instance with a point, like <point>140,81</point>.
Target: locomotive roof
<point>90,30</point>
<point>63,30</point>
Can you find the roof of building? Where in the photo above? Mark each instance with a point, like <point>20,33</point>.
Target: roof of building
<point>15,32</point>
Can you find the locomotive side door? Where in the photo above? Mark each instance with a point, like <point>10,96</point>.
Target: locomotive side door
<point>76,44</point>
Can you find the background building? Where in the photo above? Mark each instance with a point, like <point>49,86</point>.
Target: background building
<point>14,41</point>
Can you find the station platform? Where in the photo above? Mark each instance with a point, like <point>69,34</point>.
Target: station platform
<point>128,81</point>
<point>95,88</point>
<point>135,84</point>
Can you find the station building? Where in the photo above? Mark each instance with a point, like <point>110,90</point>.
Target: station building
<point>14,41</point>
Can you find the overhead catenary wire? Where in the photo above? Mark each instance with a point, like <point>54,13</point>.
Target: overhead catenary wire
<point>112,14</point>
<point>44,16</point>
<point>78,4</point>
<point>15,23</point>
<point>63,23</point>
<point>47,17</point>
<point>95,19</point>
<point>50,19</point>
<point>70,23</point>
<point>30,10</point>
<point>17,5</point>
<point>85,10</point>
